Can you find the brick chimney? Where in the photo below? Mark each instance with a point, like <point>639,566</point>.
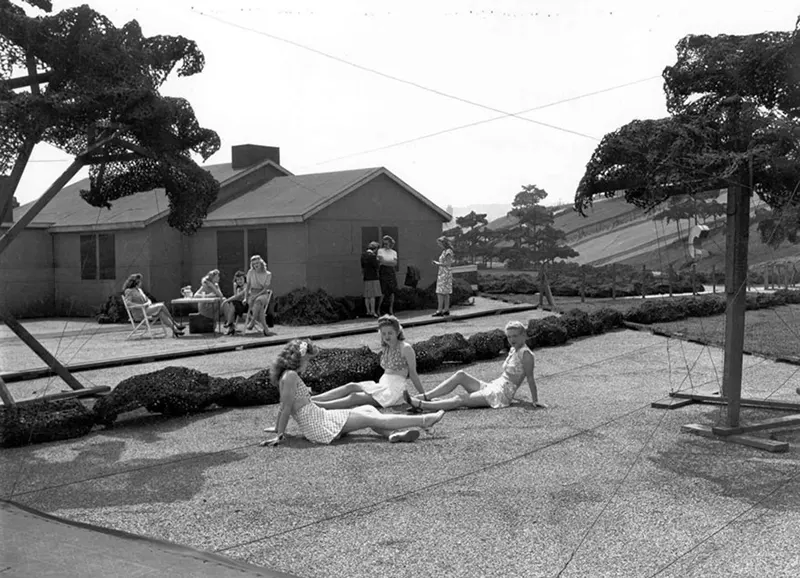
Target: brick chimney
<point>247,155</point>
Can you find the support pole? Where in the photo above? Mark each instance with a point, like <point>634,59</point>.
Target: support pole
<point>39,350</point>
<point>5,395</point>
<point>694,279</point>
<point>40,203</point>
<point>737,240</point>
<point>644,279</point>
<point>583,287</point>
<point>613,280</point>
<point>714,279</point>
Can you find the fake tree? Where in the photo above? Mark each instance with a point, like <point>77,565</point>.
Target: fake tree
<point>533,238</point>
<point>103,81</point>
<point>734,103</point>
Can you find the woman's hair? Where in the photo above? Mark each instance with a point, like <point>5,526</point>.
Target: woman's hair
<point>515,325</point>
<point>131,281</point>
<point>290,357</point>
<point>394,323</point>
<point>446,243</point>
<point>239,273</point>
<point>209,275</point>
<point>259,259</point>
<point>388,238</point>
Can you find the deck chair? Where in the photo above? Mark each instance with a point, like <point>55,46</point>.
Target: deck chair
<point>145,326</point>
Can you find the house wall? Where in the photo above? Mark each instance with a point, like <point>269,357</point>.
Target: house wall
<point>334,236</point>
<point>286,255</point>
<point>82,297</point>
<point>27,283</point>
<point>165,269</point>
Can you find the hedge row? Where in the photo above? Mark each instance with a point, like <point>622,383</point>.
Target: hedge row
<point>305,307</point>
<point>664,311</point>
<point>566,278</point>
<point>179,391</point>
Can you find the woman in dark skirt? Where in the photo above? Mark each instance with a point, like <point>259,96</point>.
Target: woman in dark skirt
<point>387,257</point>
<point>372,285</point>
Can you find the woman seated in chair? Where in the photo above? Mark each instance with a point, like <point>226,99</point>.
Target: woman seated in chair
<point>209,288</point>
<point>132,293</point>
<point>259,294</point>
<point>235,305</point>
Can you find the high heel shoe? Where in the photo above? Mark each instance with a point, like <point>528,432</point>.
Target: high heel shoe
<point>177,333</point>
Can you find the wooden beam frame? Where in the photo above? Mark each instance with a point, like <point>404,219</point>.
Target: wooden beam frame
<point>745,440</point>
<point>744,402</point>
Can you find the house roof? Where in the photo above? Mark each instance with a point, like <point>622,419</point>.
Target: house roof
<point>291,198</point>
<point>68,211</point>
<point>296,198</point>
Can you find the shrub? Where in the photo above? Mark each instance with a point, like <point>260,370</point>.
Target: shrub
<point>657,311</point>
<point>44,422</point>
<point>605,319</point>
<point>453,347</point>
<point>488,344</point>
<point>246,391</point>
<point>704,306</point>
<point>546,332</point>
<point>336,366</point>
<point>789,296</point>
<point>304,307</point>
<point>113,310</point>
<point>577,323</point>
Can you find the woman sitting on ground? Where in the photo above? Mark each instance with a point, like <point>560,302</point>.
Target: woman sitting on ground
<point>133,294</point>
<point>235,305</point>
<point>517,367</point>
<point>259,294</point>
<point>321,425</point>
<point>209,288</point>
<point>399,363</point>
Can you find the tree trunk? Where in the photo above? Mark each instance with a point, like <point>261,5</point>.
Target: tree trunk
<point>544,288</point>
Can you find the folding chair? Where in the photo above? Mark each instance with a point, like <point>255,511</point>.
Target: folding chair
<point>146,324</point>
<point>249,318</point>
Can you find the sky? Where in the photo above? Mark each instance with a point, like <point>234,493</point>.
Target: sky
<point>326,81</point>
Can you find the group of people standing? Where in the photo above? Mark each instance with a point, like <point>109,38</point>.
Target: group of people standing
<point>378,267</point>
<point>328,416</point>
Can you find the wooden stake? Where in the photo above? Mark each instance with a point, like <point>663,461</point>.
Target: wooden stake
<point>613,280</point>
<point>737,241</point>
<point>766,276</point>
<point>714,279</point>
<point>39,350</point>
<point>670,274</point>
<point>583,287</point>
<point>644,278</point>
<point>5,395</point>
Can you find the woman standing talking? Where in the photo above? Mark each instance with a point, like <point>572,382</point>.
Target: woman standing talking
<point>387,257</point>
<point>444,280</point>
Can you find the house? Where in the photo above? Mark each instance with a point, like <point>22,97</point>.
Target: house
<point>311,230</point>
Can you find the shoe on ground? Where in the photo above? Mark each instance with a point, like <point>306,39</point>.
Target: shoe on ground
<point>406,436</point>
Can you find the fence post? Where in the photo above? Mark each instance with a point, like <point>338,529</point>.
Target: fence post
<point>669,278</point>
<point>583,286</point>
<point>786,276</point>
<point>613,280</point>
<point>714,279</point>
<point>766,276</point>
<point>644,277</point>
<point>694,278</point>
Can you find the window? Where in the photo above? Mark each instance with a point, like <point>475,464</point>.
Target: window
<point>98,257</point>
<point>257,244</point>
<point>369,234</point>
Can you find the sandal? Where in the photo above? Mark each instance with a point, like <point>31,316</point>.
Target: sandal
<point>407,436</point>
<point>411,401</point>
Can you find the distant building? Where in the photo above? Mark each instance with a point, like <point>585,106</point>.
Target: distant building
<point>311,230</point>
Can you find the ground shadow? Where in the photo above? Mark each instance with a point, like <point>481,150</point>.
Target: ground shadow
<point>169,479</point>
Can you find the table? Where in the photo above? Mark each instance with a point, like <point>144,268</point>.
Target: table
<point>217,301</point>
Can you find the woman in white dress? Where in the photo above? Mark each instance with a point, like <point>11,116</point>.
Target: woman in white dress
<point>517,368</point>
<point>387,258</point>
<point>259,293</point>
<point>399,363</point>
<point>444,278</point>
<point>323,426</point>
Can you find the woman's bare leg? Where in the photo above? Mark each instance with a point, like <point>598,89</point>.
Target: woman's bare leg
<point>337,392</point>
<point>439,302</point>
<point>461,378</point>
<point>446,299</point>
<point>352,400</point>
<point>363,417</point>
<point>475,399</point>
<point>391,304</point>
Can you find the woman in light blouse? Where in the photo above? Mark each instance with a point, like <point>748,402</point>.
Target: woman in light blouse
<point>133,294</point>
<point>209,287</point>
<point>444,280</point>
<point>259,294</point>
<point>387,257</point>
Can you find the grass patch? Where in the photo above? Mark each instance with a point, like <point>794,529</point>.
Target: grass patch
<point>764,332</point>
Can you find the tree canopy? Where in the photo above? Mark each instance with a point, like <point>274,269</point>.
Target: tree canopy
<point>733,100</point>
<point>101,75</point>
